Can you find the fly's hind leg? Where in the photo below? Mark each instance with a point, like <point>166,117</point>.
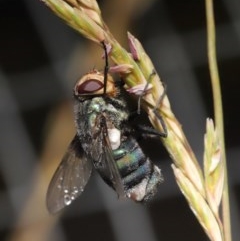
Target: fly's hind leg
<point>149,132</point>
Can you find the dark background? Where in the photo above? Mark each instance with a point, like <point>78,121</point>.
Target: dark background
<point>41,58</point>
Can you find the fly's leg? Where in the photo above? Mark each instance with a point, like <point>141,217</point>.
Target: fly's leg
<point>106,67</point>
<point>137,113</point>
<point>146,129</point>
<point>158,115</point>
<point>144,92</point>
<point>149,132</point>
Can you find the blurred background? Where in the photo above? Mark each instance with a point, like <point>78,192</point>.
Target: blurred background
<point>41,58</point>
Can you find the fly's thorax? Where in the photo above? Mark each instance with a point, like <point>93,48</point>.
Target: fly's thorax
<point>86,112</point>
<point>96,105</point>
<point>113,110</point>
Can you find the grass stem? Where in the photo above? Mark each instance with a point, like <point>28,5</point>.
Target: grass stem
<point>218,111</point>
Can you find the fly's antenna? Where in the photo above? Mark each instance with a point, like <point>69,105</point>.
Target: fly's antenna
<point>105,68</point>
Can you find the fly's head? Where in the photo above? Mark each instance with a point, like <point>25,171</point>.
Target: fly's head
<point>93,84</point>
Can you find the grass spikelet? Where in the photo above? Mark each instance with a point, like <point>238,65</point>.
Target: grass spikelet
<point>199,206</point>
<point>213,167</point>
<point>78,18</point>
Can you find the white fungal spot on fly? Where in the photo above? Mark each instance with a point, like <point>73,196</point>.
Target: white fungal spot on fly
<point>138,192</point>
<point>114,137</point>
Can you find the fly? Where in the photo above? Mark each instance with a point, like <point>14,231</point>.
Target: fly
<point>104,140</point>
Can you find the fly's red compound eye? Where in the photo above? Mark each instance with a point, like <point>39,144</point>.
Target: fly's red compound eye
<point>89,86</point>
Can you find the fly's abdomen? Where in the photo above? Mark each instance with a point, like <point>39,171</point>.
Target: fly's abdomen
<point>139,175</point>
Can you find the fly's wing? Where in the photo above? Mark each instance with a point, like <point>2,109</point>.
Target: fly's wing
<point>70,178</point>
<point>104,160</point>
<point>111,165</point>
